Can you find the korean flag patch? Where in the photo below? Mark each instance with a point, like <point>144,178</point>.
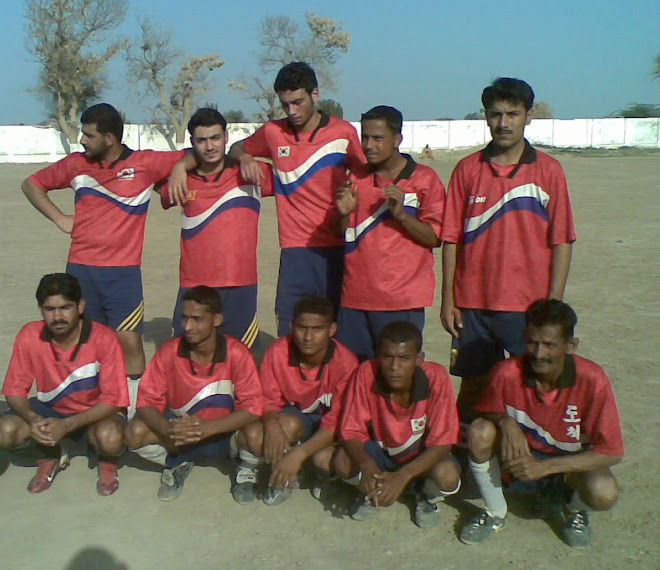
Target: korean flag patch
<point>418,424</point>
<point>283,151</point>
<point>126,174</point>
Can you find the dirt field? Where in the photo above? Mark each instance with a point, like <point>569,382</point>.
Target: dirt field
<point>612,285</point>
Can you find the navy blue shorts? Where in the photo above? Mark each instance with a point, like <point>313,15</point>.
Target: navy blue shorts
<point>359,330</point>
<point>310,422</point>
<point>239,313</point>
<point>113,295</point>
<point>484,338</point>
<point>306,271</point>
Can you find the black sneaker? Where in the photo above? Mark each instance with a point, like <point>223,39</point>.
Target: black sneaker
<point>172,480</point>
<point>577,532</point>
<point>245,486</point>
<point>480,528</point>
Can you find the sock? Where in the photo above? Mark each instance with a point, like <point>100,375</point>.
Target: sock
<point>249,460</point>
<point>577,504</point>
<point>489,480</point>
<point>355,480</point>
<point>153,452</point>
<point>434,494</point>
<point>133,383</point>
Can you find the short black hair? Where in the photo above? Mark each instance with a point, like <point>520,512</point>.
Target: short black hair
<point>205,295</point>
<point>296,75</point>
<point>392,117</point>
<point>400,331</point>
<point>311,304</point>
<point>59,284</point>
<point>546,312</point>
<point>508,89</point>
<point>206,117</point>
<point>106,118</point>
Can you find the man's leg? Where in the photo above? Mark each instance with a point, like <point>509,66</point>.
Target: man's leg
<point>353,332</point>
<point>239,313</point>
<point>177,324</point>
<point>107,438</point>
<point>442,481</point>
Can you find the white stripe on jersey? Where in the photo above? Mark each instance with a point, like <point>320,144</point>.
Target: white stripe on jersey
<point>251,191</point>
<point>324,399</point>
<point>86,181</point>
<point>392,451</point>
<point>219,388</point>
<point>87,371</point>
<point>410,200</point>
<point>333,147</point>
<point>523,419</point>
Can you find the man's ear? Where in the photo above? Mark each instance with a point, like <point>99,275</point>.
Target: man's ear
<point>572,345</point>
<point>420,358</point>
<point>218,319</point>
<point>316,94</point>
<point>81,306</point>
<point>333,329</point>
<point>398,138</point>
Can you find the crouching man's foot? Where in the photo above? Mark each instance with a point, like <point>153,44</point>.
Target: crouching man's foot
<point>46,471</point>
<point>273,497</point>
<point>577,532</point>
<point>245,486</point>
<point>481,527</point>
<point>172,480</point>
<point>363,509</point>
<point>107,482</point>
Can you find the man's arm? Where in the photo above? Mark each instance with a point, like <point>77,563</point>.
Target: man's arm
<point>177,185</point>
<point>531,469</point>
<point>450,315</point>
<point>366,465</point>
<point>250,169</point>
<point>157,424</point>
<point>421,232</point>
<point>56,428</point>
<point>40,200</point>
<point>191,429</point>
<point>513,443</point>
<point>275,440</point>
<point>559,265</point>
<point>346,202</point>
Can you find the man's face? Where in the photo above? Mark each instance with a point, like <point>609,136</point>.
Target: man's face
<point>198,322</point>
<point>61,316</point>
<point>95,144</point>
<point>507,122</point>
<point>397,363</point>
<point>209,144</point>
<point>312,333</point>
<point>378,141</point>
<point>547,349</point>
<point>299,106</point>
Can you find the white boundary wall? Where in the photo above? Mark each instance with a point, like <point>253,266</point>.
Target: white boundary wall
<point>26,144</point>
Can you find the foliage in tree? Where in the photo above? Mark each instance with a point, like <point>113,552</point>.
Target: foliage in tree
<point>638,111</point>
<point>235,116</point>
<point>281,40</point>
<point>176,81</point>
<point>70,40</point>
<point>477,116</point>
<point>542,110</point>
<point>331,107</point>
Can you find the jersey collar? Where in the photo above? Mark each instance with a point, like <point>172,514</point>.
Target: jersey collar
<point>229,162</point>
<point>323,122</point>
<point>406,171</point>
<point>125,153</point>
<point>421,389</point>
<point>220,354</point>
<point>528,157</point>
<point>294,357</point>
<point>85,331</point>
<point>567,378</point>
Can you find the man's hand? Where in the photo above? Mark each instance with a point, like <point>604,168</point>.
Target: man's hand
<point>368,481</point>
<point>52,430</point>
<point>65,223</point>
<point>513,444</point>
<point>394,196</point>
<point>177,185</point>
<point>250,169</point>
<point>527,468</point>
<point>275,442</point>
<point>286,470</point>
<point>389,486</point>
<point>346,198</point>
<point>38,431</point>
<point>185,430</point>
<point>450,317</point>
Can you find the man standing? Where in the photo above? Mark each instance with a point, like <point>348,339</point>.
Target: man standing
<point>197,391</point>
<point>390,214</point>
<point>81,387</point>
<point>507,238</point>
<point>398,424</point>
<point>304,376</point>
<point>112,186</point>
<point>550,416</point>
<point>220,222</point>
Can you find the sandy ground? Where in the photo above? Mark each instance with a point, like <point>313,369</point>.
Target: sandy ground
<point>611,285</point>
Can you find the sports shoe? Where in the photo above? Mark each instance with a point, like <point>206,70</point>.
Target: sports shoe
<point>426,514</point>
<point>363,510</point>
<point>107,482</point>
<point>245,486</point>
<point>46,471</point>
<point>480,528</point>
<point>273,497</point>
<point>577,532</point>
<point>172,480</point>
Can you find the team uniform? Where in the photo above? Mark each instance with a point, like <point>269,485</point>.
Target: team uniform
<point>68,381</point>
<point>580,415</point>
<point>314,395</point>
<point>308,168</point>
<point>174,384</point>
<point>505,220</point>
<point>393,435</point>
<point>388,276</point>
<point>111,201</point>
<point>219,229</point>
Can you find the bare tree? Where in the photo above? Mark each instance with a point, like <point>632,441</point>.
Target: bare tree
<point>281,40</point>
<point>69,38</point>
<point>176,81</point>
<point>542,110</point>
<point>656,67</point>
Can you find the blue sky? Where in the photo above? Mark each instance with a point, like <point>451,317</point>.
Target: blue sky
<point>586,58</point>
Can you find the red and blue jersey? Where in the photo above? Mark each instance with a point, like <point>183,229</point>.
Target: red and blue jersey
<point>111,202</point>
<point>308,167</point>
<point>70,381</point>
<point>317,390</point>
<point>506,220</point>
<point>219,227</point>
<point>579,415</point>
<point>384,268</point>
<point>174,381</point>
<point>431,419</point>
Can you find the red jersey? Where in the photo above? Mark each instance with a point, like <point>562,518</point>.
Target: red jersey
<point>579,415</point>
<point>219,227</point>
<point>384,268</point>
<point>69,381</point>
<point>308,168</point>
<point>172,380</point>
<point>506,225</point>
<point>111,201</point>
<point>317,390</point>
<point>404,433</point>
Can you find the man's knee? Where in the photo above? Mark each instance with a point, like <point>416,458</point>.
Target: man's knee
<point>107,436</point>
<point>323,458</point>
<point>342,464</point>
<point>13,431</point>
<point>136,434</point>
<point>293,427</point>
<point>599,489</point>
<point>251,437</point>
<point>481,435</point>
<point>446,473</point>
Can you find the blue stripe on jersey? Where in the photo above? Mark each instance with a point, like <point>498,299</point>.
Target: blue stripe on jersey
<point>240,202</point>
<point>79,385</point>
<point>539,433</point>
<point>214,401</point>
<point>399,457</point>
<point>529,204</point>
<point>136,210</point>
<point>353,244</point>
<point>333,159</point>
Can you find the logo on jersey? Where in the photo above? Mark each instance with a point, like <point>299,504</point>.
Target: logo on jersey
<point>418,424</point>
<point>126,174</point>
<point>572,416</point>
<point>283,151</point>
<point>476,199</point>
<point>191,195</point>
